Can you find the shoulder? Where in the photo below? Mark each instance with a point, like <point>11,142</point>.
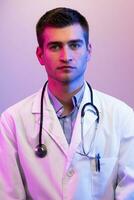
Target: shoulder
<point>112,108</point>
<point>22,107</point>
<point>110,101</point>
<point>106,103</point>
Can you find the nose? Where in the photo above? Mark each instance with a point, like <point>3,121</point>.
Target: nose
<point>65,55</point>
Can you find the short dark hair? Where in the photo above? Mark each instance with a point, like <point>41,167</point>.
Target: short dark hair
<point>59,18</point>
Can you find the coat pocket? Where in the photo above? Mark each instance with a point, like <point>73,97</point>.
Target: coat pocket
<point>104,181</point>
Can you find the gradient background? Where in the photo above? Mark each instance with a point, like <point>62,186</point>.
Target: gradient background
<point>111,68</point>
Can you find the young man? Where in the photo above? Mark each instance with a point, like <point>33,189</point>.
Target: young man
<point>79,145</point>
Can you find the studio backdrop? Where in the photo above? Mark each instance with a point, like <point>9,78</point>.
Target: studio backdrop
<point>111,68</point>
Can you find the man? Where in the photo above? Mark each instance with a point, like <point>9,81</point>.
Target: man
<point>84,146</point>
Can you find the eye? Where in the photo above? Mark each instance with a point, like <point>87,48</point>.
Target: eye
<point>55,47</point>
<point>75,45</point>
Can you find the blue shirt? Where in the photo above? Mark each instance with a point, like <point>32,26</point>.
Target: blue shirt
<point>67,121</point>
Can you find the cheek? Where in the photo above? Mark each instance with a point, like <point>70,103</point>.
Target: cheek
<point>83,58</point>
<point>49,59</point>
<point>83,55</point>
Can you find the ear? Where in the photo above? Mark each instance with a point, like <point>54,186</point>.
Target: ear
<point>40,55</point>
<point>89,49</point>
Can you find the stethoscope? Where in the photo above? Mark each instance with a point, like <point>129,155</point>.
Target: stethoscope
<point>41,149</point>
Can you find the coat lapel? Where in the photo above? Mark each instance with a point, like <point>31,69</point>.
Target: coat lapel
<point>51,124</point>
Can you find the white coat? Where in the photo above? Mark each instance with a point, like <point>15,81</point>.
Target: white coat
<point>64,174</point>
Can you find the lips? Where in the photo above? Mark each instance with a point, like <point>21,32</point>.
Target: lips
<point>66,67</point>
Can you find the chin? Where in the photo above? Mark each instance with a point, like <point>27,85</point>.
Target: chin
<point>66,79</point>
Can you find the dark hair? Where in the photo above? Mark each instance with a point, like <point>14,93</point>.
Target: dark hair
<point>59,18</point>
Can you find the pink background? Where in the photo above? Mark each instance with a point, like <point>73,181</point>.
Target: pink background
<point>111,68</point>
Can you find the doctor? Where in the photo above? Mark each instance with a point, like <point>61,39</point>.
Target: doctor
<point>87,150</point>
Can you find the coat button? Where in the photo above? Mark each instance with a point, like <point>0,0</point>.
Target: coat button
<point>70,172</point>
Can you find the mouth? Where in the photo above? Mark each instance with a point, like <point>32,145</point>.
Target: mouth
<point>66,67</point>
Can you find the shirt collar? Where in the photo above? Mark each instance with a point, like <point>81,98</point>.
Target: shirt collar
<point>76,99</point>
<point>85,98</point>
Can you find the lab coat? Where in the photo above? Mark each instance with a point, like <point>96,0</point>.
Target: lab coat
<point>64,174</point>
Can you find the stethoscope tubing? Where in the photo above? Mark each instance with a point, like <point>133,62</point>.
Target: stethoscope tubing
<point>41,114</point>
<point>41,149</point>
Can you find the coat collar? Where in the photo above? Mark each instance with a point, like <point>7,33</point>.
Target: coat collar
<point>37,100</point>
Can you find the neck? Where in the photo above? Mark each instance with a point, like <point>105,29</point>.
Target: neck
<point>64,91</point>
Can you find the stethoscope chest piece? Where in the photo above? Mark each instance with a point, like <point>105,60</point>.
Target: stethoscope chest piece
<point>41,150</point>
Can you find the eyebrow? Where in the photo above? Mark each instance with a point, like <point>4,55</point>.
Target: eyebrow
<point>60,43</point>
<point>76,41</point>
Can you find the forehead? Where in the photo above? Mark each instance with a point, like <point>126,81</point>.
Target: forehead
<point>72,32</point>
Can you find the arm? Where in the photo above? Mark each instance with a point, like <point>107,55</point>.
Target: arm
<point>11,184</point>
<point>125,187</point>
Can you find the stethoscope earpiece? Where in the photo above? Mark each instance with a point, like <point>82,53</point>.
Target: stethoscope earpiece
<point>41,150</point>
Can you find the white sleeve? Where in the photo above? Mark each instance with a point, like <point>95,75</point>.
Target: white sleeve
<point>11,183</point>
<point>125,185</point>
